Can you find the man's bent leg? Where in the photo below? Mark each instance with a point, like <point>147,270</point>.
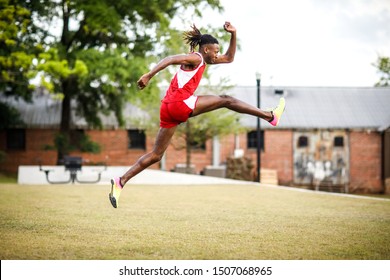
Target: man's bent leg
<point>163,139</point>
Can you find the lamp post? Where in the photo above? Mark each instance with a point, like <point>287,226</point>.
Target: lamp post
<point>258,79</point>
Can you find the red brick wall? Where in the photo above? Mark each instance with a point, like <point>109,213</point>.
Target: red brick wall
<point>278,154</point>
<point>114,148</point>
<point>35,152</point>
<point>114,151</point>
<point>176,154</point>
<point>228,145</point>
<point>365,154</point>
<point>365,162</point>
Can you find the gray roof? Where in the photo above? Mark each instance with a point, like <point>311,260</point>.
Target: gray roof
<point>306,108</point>
<point>322,107</point>
<point>45,112</point>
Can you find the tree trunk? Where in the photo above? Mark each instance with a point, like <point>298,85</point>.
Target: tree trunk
<point>62,141</point>
<point>65,119</point>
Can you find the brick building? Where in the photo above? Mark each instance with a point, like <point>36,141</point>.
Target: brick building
<point>328,137</point>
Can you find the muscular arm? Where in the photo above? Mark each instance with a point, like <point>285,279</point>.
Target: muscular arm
<point>185,59</point>
<point>231,51</point>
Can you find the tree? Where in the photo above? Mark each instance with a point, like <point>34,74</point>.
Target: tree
<point>383,66</point>
<point>93,51</point>
<point>17,50</point>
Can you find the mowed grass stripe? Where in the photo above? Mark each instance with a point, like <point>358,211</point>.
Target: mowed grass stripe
<point>189,222</point>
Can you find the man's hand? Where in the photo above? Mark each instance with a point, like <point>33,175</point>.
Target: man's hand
<point>228,27</point>
<point>143,81</point>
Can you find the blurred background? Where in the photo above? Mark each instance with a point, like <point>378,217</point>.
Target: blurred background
<point>68,89</point>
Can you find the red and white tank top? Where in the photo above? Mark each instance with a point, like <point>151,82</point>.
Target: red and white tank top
<point>184,83</point>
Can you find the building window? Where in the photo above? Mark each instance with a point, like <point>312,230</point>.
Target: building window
<point>137,139</point>
<point>16,139</point>
<point>303,141</point>
<point>252,139</point>
<point>198,145</point>
<point>338,141</point>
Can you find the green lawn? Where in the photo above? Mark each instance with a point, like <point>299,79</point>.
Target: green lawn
<point>189,222</point>
<point>7,179</point>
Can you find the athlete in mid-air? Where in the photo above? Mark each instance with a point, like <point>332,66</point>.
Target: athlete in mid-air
<point>180,103</point>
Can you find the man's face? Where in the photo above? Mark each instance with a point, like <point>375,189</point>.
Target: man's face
<point>211,53</point>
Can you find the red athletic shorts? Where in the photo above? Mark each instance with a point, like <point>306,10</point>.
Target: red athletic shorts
<point>173,113</point>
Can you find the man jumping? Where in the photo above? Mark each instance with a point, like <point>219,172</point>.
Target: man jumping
<point>180,103</point>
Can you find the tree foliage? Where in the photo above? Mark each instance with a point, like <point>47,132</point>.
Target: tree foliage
<point>89,52</point>
<point>17,49</point>
<point>9,117</point>
<point>383,66</point>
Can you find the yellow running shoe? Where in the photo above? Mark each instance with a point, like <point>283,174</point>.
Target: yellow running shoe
<point>277,112</point>
<point>116,189</point>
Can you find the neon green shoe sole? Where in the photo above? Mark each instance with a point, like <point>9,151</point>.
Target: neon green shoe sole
<point>278,111</point>
<point>115,192</point>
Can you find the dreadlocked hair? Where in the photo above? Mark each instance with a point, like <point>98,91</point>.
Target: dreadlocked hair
<point>194,38</point>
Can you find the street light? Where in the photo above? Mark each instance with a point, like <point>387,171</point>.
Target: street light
<point>258,79</point>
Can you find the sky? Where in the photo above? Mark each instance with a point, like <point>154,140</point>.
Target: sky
<point>304,42</point>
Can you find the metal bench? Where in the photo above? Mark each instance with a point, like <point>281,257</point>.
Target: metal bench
<point>73,165</point>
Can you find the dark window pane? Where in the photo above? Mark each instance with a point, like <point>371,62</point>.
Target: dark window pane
<point>137,139</point>
<point>16,139</point>
<point>252,140</point>
<point>338,141</point>
<point>303,141</point>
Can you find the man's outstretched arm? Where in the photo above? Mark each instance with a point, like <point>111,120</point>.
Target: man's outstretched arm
<point>228,57</point>
<point>184,59</point>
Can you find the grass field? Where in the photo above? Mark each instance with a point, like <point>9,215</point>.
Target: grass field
<point>189,222</point>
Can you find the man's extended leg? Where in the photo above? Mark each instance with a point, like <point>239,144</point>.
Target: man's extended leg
<point>207,103</point>
<point>163,139</point>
